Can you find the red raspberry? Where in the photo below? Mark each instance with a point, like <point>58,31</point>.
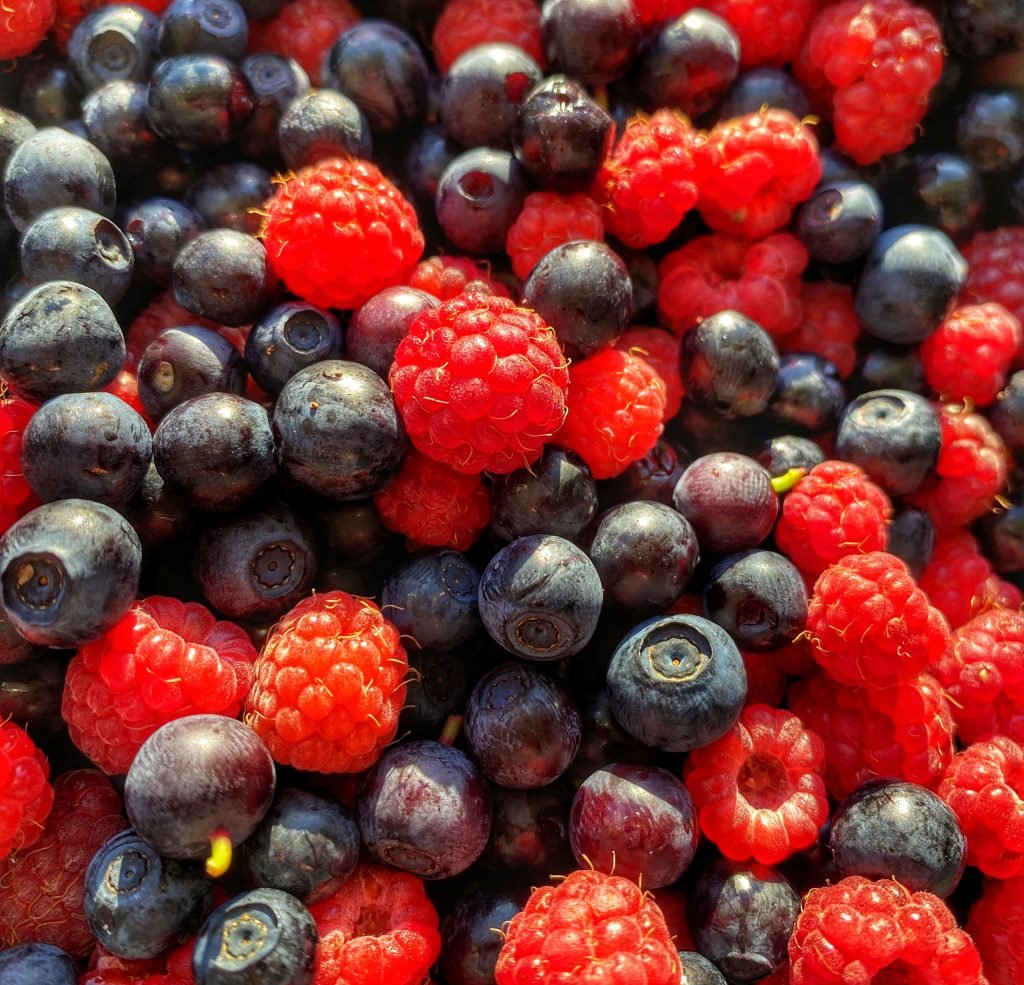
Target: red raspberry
<point>602,923</point>
<point>754,170</point>
<point>861,930</point>
<point>649,180</point>
<point>338,231</point>
<point>996,922</point>
<point>433,505</point>
<point>173,968</point>
<point>445,277</point>
<point>126,386</point>
<point>463,24</point>
<point>870,65</point>
<point>156,6</point>
<point>982,671</point>
<point>41,900</point>
<point>832,512</point>
<point>23,25</point>
<point>480,384</point>
<point>766,680</point>
<point>163,660</point>
<point>549,220</point>
<point>69,13</point>
<point>661,349</point>
<point>903,731</point>
<point>25,792</point>
<point>717,273</point>
<point>971,471</point>
<point>615,409</point>
<point>968,356</point>
<point>16,496</point>
<point>995,271</point>
<point>829,326</point>
<point>380,926</point>
<point>304,30</point>
<point>984,787</point>
<point>757,789</point>
<point>960,582</point>
<point>330,682</point>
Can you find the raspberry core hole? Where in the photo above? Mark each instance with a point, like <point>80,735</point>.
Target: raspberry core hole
<point>763,783</point>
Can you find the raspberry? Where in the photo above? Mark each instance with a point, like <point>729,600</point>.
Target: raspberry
<point>870,624</point>
<point>754,169</point>
<point>960,582</point>
<point>717,273</point>
<point>480,384</point>
<point>870,65</point>
<point>338,231</point>
<point>903,731</point>
<point>829,326</point>
<point>996,922</point>
<point>380,926</point>
<point>164,312</point>
<point>463,24</point>
<point>23,25</point>
<point>304,30</point>
<point>995,271</point>
<point>173,968</point>
<point>590,928</point>
<point>982,671</point>
<point>163,660</point>
<point>330,682</point>
<point>766,680</point>
<point>649,180</point>
<point>548,220</point>
<point>615,409</point>
<point>126,386</point>
<point>16,496</point>
<point>25,792</point>
<point>757,789</point>
<point>832,512</point>
<point>970,473</point>
<point>968,356</point>
<point>69,13</point>
<point>861,930</point>
<point>661,349</point>
<point>434,505</point>
<point>984,787</point>
<point>41,900</point>
<point>445,277</point>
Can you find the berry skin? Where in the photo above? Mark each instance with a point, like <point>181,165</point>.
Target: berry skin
<point>996,922</point>
<point>445,277</point>
<point>862,930</point>
<point>463,24</point>
<point>870,625</point>
<point>649,180</point>
<point>717,273</point>
<point>590,928</point>
<point>480,384</point>
<point>24,25</point>
<point>549,220</point>
<point>754,170</point>
<point>42,897</point>
<point>870,66</point>
<point>615,408</point>
<point>16,496</point>
<point>69,13</point>
<point>304,30</point>
<point>757,789</point>
<point>995,271</point>
<point>969,355</point>
<point>829,326</point>
<point>164,659</point>
<point>330,682</point>
<point>433,505</point>
<point>338,232</point>
<point>984,787</point>
<point>662,350</point>
<point>26,796</point>
<point>832,512</point>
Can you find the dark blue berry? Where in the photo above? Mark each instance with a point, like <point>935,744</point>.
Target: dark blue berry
<point>978,28</point>
<point>890,367</point>
<point>604,740</point>
<point>530,830</point>
<point>210,27</point>
<point>840,221</point>
<point>157,229</point>
<point>763,86</point>
<point>113,43</point>
<point>1007,414</point>
<point>789,451</point>
<point>471,935</point>
<point>230,195</point>
<point>290,337</point>
<point>50,95</point>
<point>222,275</point>
<point>911,537</point>
<point>1002,536</point>
<point>322,123</point>
<point>14,130</point>
<point>437,686</point>
<point>160,516</point>
<point>381,323</point>
<point>428,152</point>
<point>275,81</point>
<point>114,117</point>
<point>990,130</point>
<point>593,41</point>
<point>808,394</point>
<point>37,964</point>
<point>942,190</point>
<point>697,970</point>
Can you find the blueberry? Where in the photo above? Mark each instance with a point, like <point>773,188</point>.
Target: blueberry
<point>911,537</point>
<point>50,95</point>
<point>808,393</point>
<point>14,130</point>
<point>68,571</point>
<point>540,597</point>
<point>322,123</point>
<point>593,41</point>
<point>1007,414</point>
<point>161,517</point>
<point>676,682</point>
<point>114,117</point>
<point>942,190</point>
<point>840,221</point>
<point>113,43</point>
<point>428,152</point>
<point>157,229</point>
<point>275,81</point>
<point>290,337</point>
<point>604,740</point>
<point>1002,536</point>
<point>789,451</point>
<point>138,904</point>
<point>530,831</point>
<point>222,275</point>
<point>652,477</point>
<point>37,964</point>
<point>763,86</point>
<point>437,686</point>
<point>697,970</point>
<point>230,195</point>
<point>891,367</point>
<point>381,323</point>
<point>471,937</point>
<point>990,130</point>
<point>211,27</point>
<point>14,648</point>
<point>978,28</point>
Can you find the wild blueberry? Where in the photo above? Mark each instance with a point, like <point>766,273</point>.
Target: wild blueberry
<point>990,130</point>
<point>470,939</point>
<point>14,129</point>
<point>437,686</point>
<point>911,537</point>
<point>978,28</point>
<point>114,117</point>
<point>229,195</point>
<point>1002,536</point>
<point>652,477</point>
<point>210,27</point>
<point>113,43</point>
<point>428,152</point>
<point>789,451</point>
<point>161,517</point>
<point>290,337</point>
<point>840,221</point>
<point>942,190</point>
<point>275,81</point>
<point>890,367</point>
<point>376,328</point>
<point>697,970</point>
<point>763,86</point>
<point>157,229</point>
<point>222,275</point>
<point>530,830</point>
<point>808,393</point>
<point>50,94</point>
<point>1007,414</point>
<point>593,41</point>
<point>37,964</point>
<point>322,123</point>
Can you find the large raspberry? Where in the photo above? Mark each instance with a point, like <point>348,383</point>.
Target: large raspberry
<point>829,326</point>
<point>16,496</point>
<point>23,25</point>
<point>662,350</point>
<point>463,24</point>
<point>338,232</point>
<point>25,792</point>
<point>717,272</point>
<point>304,30</point>
<point>861,930</point>
<point>547,220</point>
<point>447,276</point>
<point>330,682</point>
<point>615,409</point>
<point>591,928</point>
<point>984,787</point>
<point>480,384</point>
<point>163,660</point>
<point>757,789</point>
<point>41,898</point>
<point>996,922</point>
<point>870,624</point>
<point>833,511</point>
<point>380,926</point>
<point>871,65</point>
<point>995,271</point>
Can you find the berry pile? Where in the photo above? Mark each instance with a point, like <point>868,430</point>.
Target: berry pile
<point>511,492</point>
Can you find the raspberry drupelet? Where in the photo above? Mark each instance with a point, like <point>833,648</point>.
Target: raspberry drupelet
<point>662,350</point>
<point>547,220</point>
<point>996,923</point>
<point>26,796</point>
<point>758,789</point>
<point>995,272</point>
<point>16,496</point>
<point>447,276</point>
<point>829,326</point>
<point>304,30</point>
<point>480,384</point>
<point>23,25</point>
<point>463,24</point>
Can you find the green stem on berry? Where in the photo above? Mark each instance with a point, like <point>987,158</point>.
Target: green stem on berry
<point>451,730</point>
<point>783,483</point>
<point>219,860</point>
